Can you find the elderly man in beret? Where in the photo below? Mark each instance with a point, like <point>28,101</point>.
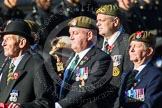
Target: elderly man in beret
<point>141,84</point>
<point>114,42</point>
<point>85,71</point>
<point>25,82</point>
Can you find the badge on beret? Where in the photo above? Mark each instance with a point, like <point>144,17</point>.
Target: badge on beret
<point>13,95</point>
<point>138,34</point>
<point>116,71</point>
<point>74,22</point>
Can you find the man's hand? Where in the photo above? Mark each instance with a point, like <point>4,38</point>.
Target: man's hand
<point>14,105</point>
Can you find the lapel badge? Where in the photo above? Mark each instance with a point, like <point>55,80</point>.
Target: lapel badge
<point>15,75</point>
<point>13,96</point>
<point>136,82</point>
<point>85,58</point>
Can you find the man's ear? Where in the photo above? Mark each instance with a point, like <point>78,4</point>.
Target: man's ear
<point>90,35</point>
<point>22,43</point>
<point>116,21</point>
<point>150,51</point>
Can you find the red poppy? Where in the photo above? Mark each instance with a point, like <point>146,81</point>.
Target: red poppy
<point>15,75</point>
<point>110,47</point>
<point>85,57</point>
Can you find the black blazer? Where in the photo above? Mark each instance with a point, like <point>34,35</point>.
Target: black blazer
<point>121,47</point>
<point>90,95</point>
<point>33,84</point>
<point>149,79</point>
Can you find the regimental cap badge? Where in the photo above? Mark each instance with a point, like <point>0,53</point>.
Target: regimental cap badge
<point>74,22</point>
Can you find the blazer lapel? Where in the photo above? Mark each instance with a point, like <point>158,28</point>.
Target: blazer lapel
<point>124,78</point>
<point>69,60</point>
<point>139,77</point>
<point>4,76</point>
<point>20,73</point>
<point>117,46</point>
<point>87,57</point>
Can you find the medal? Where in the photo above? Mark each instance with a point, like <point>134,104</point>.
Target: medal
<point>82,82</point>
<point>116,71</point>
<point>77,77</point>
<point>13,96</point>
<point>116,60</point>
<point>60,67</point>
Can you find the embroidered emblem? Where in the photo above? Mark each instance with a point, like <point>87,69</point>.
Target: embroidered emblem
<point>13,95</point>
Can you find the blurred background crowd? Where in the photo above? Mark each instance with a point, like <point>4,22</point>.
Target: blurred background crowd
<point>48,16</point>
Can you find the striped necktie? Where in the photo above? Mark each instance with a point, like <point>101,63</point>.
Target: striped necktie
<point>68,74</point>
<point>105,49</point>
<point>130,80</point>
<point>10,73</point>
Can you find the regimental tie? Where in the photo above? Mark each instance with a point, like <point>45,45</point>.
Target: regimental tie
<point>106,44</point>
<point>68,73</point>
<point>10,73</point>
<point>131,79</point>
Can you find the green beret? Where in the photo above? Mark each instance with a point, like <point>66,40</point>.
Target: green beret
<point>109,9</point>
<point>83,22</point>
<point>143,36</point>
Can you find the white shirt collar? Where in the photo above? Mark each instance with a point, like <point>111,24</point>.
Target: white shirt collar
<point>140,68</point>
<point>16,63</point>
<point>114,36</point>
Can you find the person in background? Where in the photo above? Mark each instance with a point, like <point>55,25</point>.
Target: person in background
<point>141,84</point>
<point>25,82</point>
<point>85,69</point>
<point>114,42</point>
<point>74,8</point>
<point>61,51</point>
<point>9,10</point>
<point>41,11</point>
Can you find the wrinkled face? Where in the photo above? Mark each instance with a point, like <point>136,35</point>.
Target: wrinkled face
<point>45,4</point>
<point>79,38</point>
<point>105,24</point>
<point>11,45</point>
<point>138,51</point>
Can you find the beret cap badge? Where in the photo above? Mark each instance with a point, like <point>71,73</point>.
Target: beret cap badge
<point>138,34</point>
<point>74,22</point>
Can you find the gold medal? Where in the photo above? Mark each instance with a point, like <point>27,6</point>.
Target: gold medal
<point>116,71</point>
<point>60,67</point>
